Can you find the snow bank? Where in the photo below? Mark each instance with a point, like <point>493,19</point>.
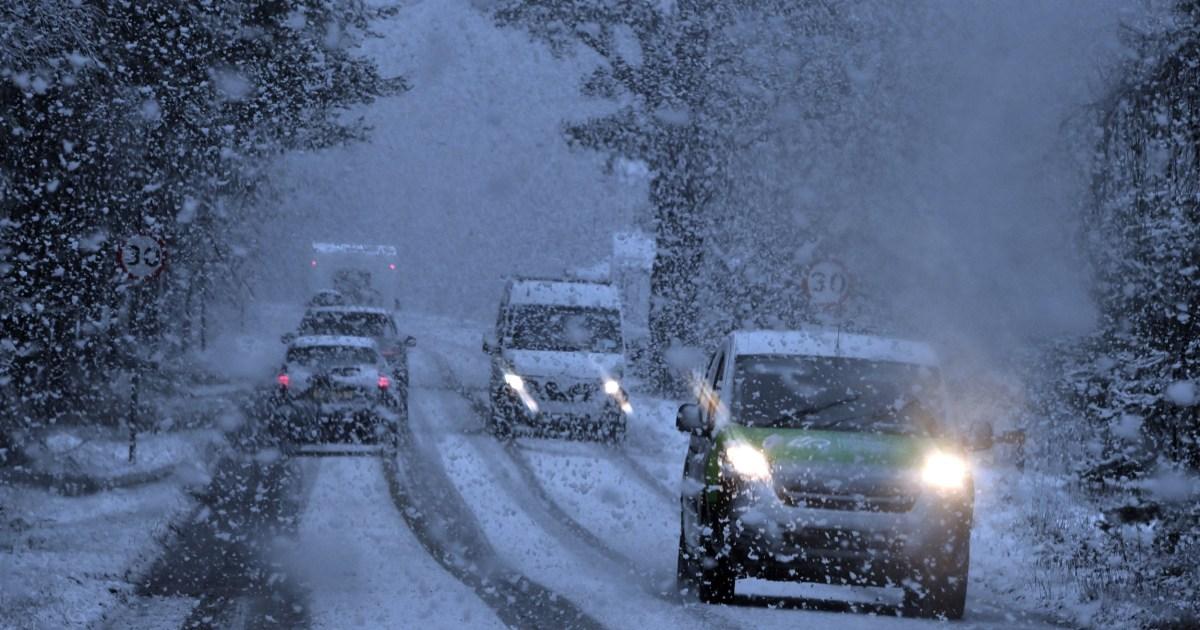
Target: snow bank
<point>66,558</point>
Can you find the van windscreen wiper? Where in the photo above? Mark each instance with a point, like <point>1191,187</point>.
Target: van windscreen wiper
<point>798,416</point>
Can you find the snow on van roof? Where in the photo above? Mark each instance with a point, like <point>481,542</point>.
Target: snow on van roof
<point>374,310</point>
<point>823,342</point>
<point>564,293</point>
<point>354,248</point>
<point>309,341</point>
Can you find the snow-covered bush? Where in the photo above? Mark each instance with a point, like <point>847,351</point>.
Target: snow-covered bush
<point>1117,412</point>
<point>1142,235</point>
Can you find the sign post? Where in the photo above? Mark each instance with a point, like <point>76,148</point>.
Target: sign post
<point>141,258</point>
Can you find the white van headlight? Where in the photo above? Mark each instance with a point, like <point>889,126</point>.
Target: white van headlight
<point>514,381</point>
<point>945,471</point>
<point>612,387</point>
<point>748,462</point>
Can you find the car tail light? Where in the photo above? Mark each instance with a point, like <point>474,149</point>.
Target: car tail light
<point>392,266</point>
<point>284,380</point>
<point>313,263</point>
<point>384,382</point>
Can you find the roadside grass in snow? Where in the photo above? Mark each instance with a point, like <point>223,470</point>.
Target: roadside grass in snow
<point>1098,560</point>
<point>68,560</point>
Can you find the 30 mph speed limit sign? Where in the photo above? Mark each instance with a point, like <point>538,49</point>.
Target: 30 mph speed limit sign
<point>827,283</point>
<point>141,256</point>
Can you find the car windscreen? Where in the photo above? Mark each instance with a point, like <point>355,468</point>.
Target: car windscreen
<point>563,328</point>
<point>835,394</point>
<point>313,356</point>
<point>353,323</point>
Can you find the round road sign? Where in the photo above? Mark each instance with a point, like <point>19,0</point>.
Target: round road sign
<point>827,283</point>
<point>141,256</point>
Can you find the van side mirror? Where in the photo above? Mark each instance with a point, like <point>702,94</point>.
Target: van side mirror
<point>688,419</point>
<point>288,338</point>
<point>982,437</point>
<point>410,341</point>
<point>490,346</point>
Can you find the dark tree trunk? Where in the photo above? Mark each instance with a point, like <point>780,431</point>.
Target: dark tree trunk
<point>679,196</point>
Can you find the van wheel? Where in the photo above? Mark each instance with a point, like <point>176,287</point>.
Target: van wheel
<point>498,424</point>
<point>717,582</point>
<point>714,585</point>
<point>687,570</point>
<point>614,433</point>
<point>940,591</point>
<point>391,444</point>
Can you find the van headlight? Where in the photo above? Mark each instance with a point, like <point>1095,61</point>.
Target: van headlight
<point>514,381</point>
<point>945,471</point>
<point>612,387</point>
<point>748,462</point>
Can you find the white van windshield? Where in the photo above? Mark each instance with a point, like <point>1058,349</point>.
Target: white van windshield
<point>563,328</point>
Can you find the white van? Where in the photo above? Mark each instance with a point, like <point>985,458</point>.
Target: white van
<point>558,357</point>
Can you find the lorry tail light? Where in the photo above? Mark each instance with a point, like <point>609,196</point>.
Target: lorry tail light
<point>384,382</point>
<point>284,381</point>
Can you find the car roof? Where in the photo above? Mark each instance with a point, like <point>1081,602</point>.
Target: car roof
<point>826,342</point>
<point>375,310</point>
<point>311,341</point>
<point>563,293</point>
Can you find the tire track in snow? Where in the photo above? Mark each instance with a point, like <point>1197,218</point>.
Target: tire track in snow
<point>514,455</point>
<point>211,566</point>
<point>215,556</point>
<point>480,407</point>
<point>441,521</point>
<point>556,516</point>
<point>361,562</point>
<point>645,476</point>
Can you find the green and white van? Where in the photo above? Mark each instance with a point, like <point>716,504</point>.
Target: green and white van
<point>822,456</point>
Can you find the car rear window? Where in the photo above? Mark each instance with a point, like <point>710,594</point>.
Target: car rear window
<point>331,355</point>
<point>352,323</point>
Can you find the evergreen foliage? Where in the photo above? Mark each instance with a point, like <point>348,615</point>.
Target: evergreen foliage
<point>125,117</point>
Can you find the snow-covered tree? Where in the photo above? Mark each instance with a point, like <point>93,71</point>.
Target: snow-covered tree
<point>706,89</point>
<point>669,65</point>
<point>1143,235</point>
<point>126,116</point>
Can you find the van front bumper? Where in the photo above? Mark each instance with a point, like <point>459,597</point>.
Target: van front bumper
<point>768,539</point>
<point>560,415</point>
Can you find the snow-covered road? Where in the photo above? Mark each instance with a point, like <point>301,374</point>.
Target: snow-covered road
<point>362,565</point>
<point>600,523</point>
<point>461,530</point>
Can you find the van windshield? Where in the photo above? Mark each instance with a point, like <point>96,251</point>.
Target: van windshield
<point>835,394</point>
<point>563,328</point>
